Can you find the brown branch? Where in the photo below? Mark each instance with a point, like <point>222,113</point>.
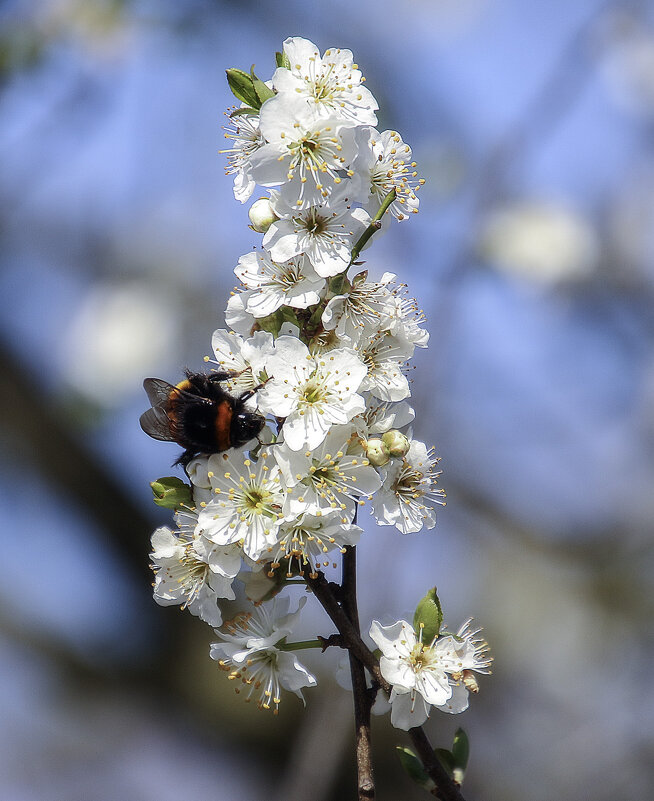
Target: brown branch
<point>362,699</point>
<point>320,588</point>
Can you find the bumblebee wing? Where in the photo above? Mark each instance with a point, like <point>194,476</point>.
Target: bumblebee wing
<point>156,424</point>
<point>158,391</point>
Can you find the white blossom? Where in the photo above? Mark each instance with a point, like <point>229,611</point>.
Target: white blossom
<point>384,355</point>
<point>246,136</point>
<point>305,155</point>
<point>325,233</point>
<point>425,674</point>
<point>380,416</point>
<point>383,163</point>
<point>364,310</point>
<point>409,485</point>
<point>332,83</point>
<point>333,475</point>
<point>406,319</point>
<point>236,315</point>
<point>190,570</point>
<point>245,358</point>
<point>293,283</point>
<point>311,392</point>
<point>469,655</point>
<point>246,501</point>
<point>305,540</point>
<point>248,650</point>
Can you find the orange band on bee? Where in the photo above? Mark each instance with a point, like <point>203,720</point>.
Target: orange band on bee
<point>223,425</point>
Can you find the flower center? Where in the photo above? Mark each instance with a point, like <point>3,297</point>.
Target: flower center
<point>313,392</point>
<point>314,224</point>
<point>308,146</point>
<point>419,657</point>
<point>257,500</point>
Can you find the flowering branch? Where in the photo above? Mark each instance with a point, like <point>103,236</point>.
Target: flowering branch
<point>304,415</point>
<point>444,786</point>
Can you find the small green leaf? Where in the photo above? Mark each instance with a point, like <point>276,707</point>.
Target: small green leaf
<point>413,767</point>
<point>171,493</point>
<point>461,749</point>
<point>282,60</point>
<point>446,759</point>
<point>262,91</point>
<point>242,87</point>
<point>428,616</point>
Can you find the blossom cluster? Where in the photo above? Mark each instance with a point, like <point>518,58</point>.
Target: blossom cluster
<point>320,356</point>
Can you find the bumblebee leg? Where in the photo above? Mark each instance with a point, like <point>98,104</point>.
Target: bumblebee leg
<point>251,392</point>
<point>220,375</point>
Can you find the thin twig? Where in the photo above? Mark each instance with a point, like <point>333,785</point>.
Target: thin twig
<point>362,699</point>
<point>373,227</point>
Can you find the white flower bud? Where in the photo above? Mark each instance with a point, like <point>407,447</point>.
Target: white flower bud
<point>377,452</point>
<point>261,215</point>
<point>396,443</point>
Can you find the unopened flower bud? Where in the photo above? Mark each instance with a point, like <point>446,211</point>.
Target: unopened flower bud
<point>396,442</point>
<point>377,452</point>
<point>261,215</point>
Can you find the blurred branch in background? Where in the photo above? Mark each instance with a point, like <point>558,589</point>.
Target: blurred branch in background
<point>44,439</point>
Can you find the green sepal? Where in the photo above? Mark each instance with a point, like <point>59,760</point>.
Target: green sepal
<point>242,87</point>
<point>171,493</point>
<point>282,60</point>
<point>414,768</point>
<point>428,616</point>
<point>273,322</point>
<point>316,317</point>
<point>339,285</point>
<point>262,92</point>
<point>246,111</point>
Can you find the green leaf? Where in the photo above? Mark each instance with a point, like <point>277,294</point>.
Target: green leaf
<point>282,60</point>
<point>263,93</point>
<point>428,616</point>
<point>171,493</point>
<point>242,87</point>
<point>461,749</point>
<point>446,759</point>
<point>413,767</point>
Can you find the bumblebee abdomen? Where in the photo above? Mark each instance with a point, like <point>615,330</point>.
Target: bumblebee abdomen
<point>223,424</point>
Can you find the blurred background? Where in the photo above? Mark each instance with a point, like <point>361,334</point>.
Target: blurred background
<point>533,258</point>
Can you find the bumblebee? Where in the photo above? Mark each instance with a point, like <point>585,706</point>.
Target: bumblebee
<point>199,414</point>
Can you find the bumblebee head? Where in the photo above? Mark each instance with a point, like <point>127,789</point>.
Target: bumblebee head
<point>245,426</point>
